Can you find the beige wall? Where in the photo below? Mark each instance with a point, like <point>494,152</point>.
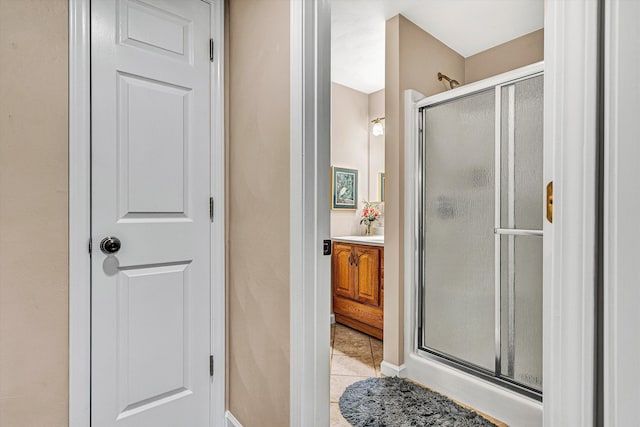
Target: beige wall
<point>376,143</point>
<point>513,54</point>
<point>353,146</point>
<point>350,149</point>
<point>258,216</point>
<point>33,213</point>
<point>413,59</point>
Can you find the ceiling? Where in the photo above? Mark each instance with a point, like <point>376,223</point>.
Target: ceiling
<point>466,26</point>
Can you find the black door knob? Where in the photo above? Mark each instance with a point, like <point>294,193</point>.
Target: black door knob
<point>110,245</point>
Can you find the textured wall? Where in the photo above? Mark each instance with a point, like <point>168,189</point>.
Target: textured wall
<point>513,54</point>
<point>258,217</point>
<point>413,59</point>
<point>354,146</point>
<point>376,143</point>
<point>350,149</point>
<point>33,213</point>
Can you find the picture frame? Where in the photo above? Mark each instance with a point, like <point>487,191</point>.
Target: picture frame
<point>381,186</point>
<point>344,188</point>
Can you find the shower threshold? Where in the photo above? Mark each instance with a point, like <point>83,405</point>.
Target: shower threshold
<point>480,372</point>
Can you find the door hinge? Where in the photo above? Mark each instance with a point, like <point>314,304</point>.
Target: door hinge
<point>211,365</point>
<point>211,50</point>
<point>211,208</point>
<point>89,245</point>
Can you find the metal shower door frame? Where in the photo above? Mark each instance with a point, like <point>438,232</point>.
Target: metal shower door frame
<point>511,232</point>
<point>497,83</point>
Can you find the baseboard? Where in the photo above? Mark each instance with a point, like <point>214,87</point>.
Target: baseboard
<point>231,421</point>
<point>332,318</point>
<point>391,370</point>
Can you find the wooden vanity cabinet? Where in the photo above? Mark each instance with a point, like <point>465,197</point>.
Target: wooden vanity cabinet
<point>358,286</point>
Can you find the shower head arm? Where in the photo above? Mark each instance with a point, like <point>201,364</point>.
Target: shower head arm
<point>452,83</point>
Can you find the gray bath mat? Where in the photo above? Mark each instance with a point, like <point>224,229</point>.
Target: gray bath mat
<point>390,402</point>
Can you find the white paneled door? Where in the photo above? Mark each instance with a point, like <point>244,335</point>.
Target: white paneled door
<point>150,96</point>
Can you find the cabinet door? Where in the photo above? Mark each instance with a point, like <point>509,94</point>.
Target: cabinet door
<point>343,270</point>
<point>367,275</point>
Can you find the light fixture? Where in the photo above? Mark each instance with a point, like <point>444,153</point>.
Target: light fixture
<point>377,129</point>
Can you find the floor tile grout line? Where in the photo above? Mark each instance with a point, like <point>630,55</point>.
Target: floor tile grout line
<point>373,359</point>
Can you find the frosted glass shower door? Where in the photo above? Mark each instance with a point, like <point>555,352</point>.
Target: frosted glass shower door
<point>480,233</point>
<point>520,232</point>
<point>458,221</point>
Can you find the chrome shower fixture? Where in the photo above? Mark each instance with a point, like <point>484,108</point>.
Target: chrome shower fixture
<point>452,83</point>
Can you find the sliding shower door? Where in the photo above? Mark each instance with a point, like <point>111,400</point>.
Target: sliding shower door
<point>480,238</point>
<point>459,159</point>
<point>520,231</point>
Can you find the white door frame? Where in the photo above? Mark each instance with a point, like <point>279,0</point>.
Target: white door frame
<point>80,215</point>
<point>571,48</point>
<point>570,134</point>
<point>621,233</point>
<point>310,271</point>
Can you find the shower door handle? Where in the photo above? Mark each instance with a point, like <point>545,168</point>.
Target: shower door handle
<point>517,232</point>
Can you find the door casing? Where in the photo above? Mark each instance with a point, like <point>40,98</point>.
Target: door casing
<point>80,214</point>
<point>570,112</point>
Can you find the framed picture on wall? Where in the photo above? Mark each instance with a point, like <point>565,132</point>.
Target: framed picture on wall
<point>381,186</point>
<point>344,188</point>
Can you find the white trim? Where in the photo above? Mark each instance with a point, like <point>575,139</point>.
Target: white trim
<point>505,405</point>
<point>231,421</point>
<point>332,318</point>
<point>391,370</point>
<point>411,97</point>
<point>621,203</point>
<point>79,213</point>
<point>309,213</point>
<point>218,230</point>
<point>570,139</point>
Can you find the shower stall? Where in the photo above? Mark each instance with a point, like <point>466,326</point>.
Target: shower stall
<point>478,216</point>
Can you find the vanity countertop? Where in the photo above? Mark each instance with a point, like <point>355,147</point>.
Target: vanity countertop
<point>374,240</point>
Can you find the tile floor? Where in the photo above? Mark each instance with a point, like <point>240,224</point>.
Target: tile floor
<point>354,356</point>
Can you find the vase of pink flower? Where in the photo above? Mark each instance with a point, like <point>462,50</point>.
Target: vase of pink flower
<point>370,214</point>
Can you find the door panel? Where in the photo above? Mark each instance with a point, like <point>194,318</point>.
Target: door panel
<point>521,317</point>
<point>160,186</point>
<point>155,29</point>
<point>521,193</point>
<point>521,207</point>
<point>367,275</point>
<point>459,212</point>
<point>159,330</point>
<point>150,188</point>
<point>343,271</point>
<point>481,245</point>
